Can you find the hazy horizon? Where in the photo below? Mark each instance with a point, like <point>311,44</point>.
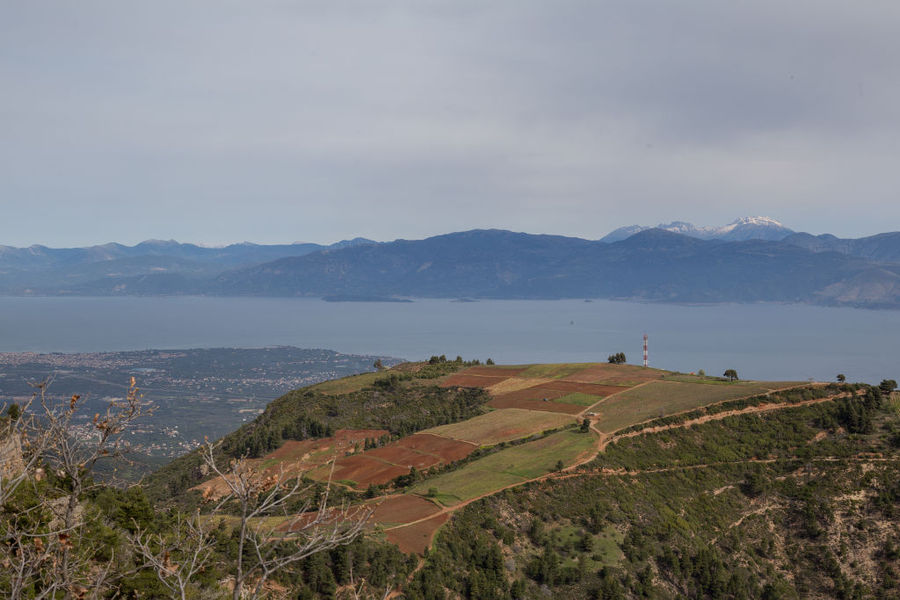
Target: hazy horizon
<point>326,242</point>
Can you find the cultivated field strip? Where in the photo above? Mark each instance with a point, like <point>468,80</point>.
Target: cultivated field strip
<point>504,425</point>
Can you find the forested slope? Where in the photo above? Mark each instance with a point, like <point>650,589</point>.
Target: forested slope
<point>802,502</point>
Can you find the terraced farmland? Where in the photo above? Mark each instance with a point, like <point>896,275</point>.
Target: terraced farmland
<point>379,466</point>
<point>526,401</point>
<point>550,396</point>
<point>416,538</point>
<point>296,457</point>
<point>608,374</point>
<point>404,508</point>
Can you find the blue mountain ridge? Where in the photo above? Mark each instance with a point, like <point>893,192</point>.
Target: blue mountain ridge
<point>651,265</point>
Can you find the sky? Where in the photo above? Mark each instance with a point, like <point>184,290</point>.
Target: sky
<point>280,121</point>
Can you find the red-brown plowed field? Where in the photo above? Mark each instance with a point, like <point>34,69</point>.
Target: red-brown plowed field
<point>607,372</point>
<point>571,387</point>
<point>421,451</point>
<point>416,538</point>
<point>466,380</point>
<point>549,406</point>
<point>448,450</point>
<point>627,381</point>
<point>404,509</point>
<point>494,371</point>
<point>332,515</point>
<point>537,392</point>
<point>342,440</point>
<point>294,450</point>
<point>380,465</point>
<point>294,457</point>
<point>364,470</point>
<point>358,435</point>
<point>404,457</point>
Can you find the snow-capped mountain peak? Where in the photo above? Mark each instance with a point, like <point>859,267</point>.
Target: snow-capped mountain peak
<point>745,228</point>
<point>767,222</point>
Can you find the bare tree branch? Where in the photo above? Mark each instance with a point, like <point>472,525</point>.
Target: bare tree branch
<point>314,528</point>
<point>46,544</point>
<point>178,555</point>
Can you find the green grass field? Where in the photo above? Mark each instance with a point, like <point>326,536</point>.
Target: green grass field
<point>608,547</point>
<point>347,384</point>
<point>579,399</point>
<point>662,398</point>
<point>502,425</point>
<point>506,467</point>
<point>622,383</point>
<point>607,551</point>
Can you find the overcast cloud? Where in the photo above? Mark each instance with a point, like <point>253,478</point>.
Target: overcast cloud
<point>282,121</point>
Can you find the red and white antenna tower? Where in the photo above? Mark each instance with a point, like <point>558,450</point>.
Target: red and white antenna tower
<point>646,354</point>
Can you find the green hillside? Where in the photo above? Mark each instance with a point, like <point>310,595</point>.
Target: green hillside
<point>664,485</point>
<point>802,502</point>
<point>488,482</point>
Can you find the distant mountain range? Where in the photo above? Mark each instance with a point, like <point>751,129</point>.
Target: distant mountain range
<point>153,266</point>
<point>654,265</point>
<point>658,264</point>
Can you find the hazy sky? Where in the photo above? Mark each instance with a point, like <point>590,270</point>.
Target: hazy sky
<point>278,121</point>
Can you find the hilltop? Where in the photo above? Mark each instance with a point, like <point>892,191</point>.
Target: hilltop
<point>493,474</point>
<point>469,407</point>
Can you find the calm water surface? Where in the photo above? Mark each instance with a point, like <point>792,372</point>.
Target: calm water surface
<point>761,341</point>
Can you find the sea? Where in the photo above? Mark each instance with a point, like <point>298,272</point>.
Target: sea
<point>759,341</point>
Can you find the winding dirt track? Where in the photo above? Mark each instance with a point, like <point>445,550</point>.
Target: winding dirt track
<point>758,408</point>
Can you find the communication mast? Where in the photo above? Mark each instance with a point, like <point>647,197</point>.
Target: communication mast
<point>646,354</point>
